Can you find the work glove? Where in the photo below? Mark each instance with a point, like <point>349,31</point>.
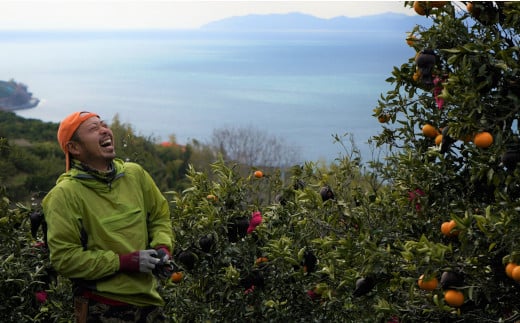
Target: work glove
<point>163,255</point>
<point>164,267</point>
<point>143,261</point>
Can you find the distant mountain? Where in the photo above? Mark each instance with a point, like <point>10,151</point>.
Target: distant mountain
<point>303,22</point>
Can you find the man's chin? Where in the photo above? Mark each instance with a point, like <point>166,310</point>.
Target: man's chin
<point>110,157</point>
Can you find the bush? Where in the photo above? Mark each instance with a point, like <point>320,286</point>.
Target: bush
<point>31,291</point>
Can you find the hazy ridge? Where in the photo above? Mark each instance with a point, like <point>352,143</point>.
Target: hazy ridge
<point>303,22</point>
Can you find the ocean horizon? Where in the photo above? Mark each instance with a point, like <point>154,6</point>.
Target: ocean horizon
<point>303,87</point>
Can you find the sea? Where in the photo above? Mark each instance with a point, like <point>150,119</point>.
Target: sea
<point>301,87</point>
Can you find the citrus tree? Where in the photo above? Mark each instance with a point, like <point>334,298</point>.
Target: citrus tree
<point>452,127</point>
<point>259,248</point>
<point>31,289</point>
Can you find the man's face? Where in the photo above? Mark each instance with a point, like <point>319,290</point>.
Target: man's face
<point>96,145</point>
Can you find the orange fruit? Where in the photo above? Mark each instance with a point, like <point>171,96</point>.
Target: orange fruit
<point>260,260</point>
<point>438,140</point>
<point>416,76</point>
<point>429,131</point>
<point>474,11</point>
<point>258,174</point>
<point>429,285</point>
<point>176,277</point>
<point>383,118</point>
<point>420,7</point>
<point>411,40</point>
<point>447,228</point>
<point>509,269</point>
<point>454,298</point>
<point>483,139</point>
<point>211,197</point>
<point>515,273</point>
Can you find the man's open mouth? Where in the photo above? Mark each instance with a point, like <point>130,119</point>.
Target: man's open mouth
<point>106,143</point>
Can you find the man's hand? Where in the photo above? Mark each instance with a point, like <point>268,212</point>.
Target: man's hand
<point>164,267</point>
<point>147,260</point>
<point>163,255</point>
<point>143,261</point>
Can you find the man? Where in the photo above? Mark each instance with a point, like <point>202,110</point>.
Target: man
<point>109,227</point>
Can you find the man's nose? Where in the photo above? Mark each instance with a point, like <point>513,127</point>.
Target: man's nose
<point>104,130</point>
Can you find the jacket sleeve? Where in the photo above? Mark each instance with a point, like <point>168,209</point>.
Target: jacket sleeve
<point>64,240</point>
<point>159,221</point>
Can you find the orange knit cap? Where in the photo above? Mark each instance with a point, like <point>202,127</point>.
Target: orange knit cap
<point>68,126</point>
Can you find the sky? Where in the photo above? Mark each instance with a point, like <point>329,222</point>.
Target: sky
<point>167,14</point>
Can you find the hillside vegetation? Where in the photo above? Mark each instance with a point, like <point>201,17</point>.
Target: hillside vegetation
<point>32,160</point>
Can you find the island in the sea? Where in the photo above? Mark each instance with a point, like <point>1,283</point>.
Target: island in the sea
<point>15,96</point>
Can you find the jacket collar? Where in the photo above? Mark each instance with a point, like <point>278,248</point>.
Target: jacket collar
<point>106,177</point>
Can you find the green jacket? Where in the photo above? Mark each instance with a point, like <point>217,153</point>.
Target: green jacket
<point>126,214</point>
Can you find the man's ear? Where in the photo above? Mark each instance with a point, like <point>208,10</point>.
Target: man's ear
<point>73,147</point>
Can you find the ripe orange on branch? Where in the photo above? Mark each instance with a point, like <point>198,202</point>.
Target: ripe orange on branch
<point>428,285</point>
<point>438,140</point>
<point>430,131</point>
<point>509,269</point>
<point>421,7</point>
<point>469,7</point>
<point>515,273</point>
<point>472,9</point>
<point>411,40</point>
<point>176,277</point>
<point>454,298</point>
<point>447,228</point>
<point>261,260</point>
<point>383,118</point>
<point>483,139</point>
<point>416,76</point>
